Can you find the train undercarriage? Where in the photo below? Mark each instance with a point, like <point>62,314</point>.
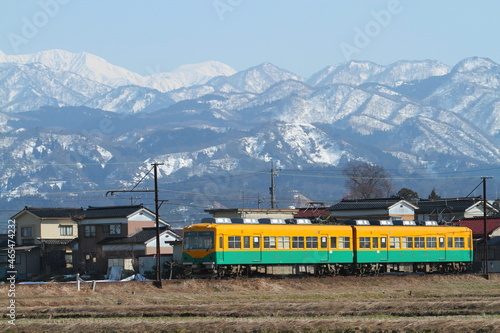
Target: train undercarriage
<point>365,269</point>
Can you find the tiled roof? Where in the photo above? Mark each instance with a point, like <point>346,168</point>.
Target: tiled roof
<point>54,212</point>
<point>477,225</point>
<point>139,237</point>
<point>450,205</point>
<point>363,204</point>
<point>111,211</point>
<point>311,212</point>
<point>55,241</point>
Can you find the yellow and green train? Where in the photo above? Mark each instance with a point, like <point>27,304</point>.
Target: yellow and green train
<point>226,249</point>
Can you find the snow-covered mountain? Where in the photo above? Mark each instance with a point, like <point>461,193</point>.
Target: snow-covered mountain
<point>99,70</point>
<point>74,123</point>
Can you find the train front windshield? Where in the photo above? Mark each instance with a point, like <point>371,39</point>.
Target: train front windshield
<point>198,240</point>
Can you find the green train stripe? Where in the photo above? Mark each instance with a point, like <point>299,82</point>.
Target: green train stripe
<point>321,256</point>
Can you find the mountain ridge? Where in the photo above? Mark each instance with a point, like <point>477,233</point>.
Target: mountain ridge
<point>61,132</point>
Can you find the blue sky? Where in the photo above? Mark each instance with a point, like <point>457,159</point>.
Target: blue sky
<point>302,36</point>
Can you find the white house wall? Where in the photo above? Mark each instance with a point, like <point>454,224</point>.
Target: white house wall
<point>401,209</point>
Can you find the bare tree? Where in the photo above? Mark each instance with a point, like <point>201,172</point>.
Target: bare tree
<point>367,181</point>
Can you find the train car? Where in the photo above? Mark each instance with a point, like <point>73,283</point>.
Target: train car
<point>222,248</point>
<point>236,249</point>
<point>412,248</point>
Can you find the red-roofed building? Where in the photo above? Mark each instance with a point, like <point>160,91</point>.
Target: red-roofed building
<point>493,231</point>
<point>315,211</point>
<point>477,226</point>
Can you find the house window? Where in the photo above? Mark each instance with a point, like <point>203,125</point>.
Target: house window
<point>90,257</point>
<point>68,258</point>
<point>26,231</point>
<point>115,229</point>
<point>89,231</point>
<point>105,228</point>
<point>28,241</point>
<point>66,230</point>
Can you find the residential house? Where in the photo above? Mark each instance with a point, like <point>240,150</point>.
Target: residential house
<point>44,238</point>
<point>314,211</point>
<point>137,251</point>
<point>451,209</point>
<point>477,226</point>
<point>101,226</point>
<point>373,209</point>
<point>252,213</point>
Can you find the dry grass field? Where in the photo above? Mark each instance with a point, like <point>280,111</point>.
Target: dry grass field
<point>430,303</point>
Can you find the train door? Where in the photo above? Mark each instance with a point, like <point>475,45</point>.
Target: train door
<point>384,248</point>
<point>257,248</point>
<point>441,245</point>
<point>221,248</point>
<point>324,254</point>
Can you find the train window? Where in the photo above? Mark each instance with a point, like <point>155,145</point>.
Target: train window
<point>198,240</point>
<point>333,242</point>
<point>383,242</point>
<point>459,242</point>
<point>375,242</point>
<point>297,242</point>
<point>283,242</point>
<point>344,242</point>
<point>450,242</point>
<point>395,242</point>
<point>311,242</point>
<point>256,242</point>
<point>324,242</point>
<point>269,242</point>
<point>407,242</point>
<point>468,239</point>
<point>419,242</point>
<point>441,242</point>
<point>364,242</point>
<point>246,242</point>
<point>234,242</point>
<point>221,242</point>
<point>431,242</point>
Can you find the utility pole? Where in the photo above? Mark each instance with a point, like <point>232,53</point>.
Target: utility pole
<point>157,282</point>
<point>271,189</point>
<point>485,236</point>
<point>157,222</point>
